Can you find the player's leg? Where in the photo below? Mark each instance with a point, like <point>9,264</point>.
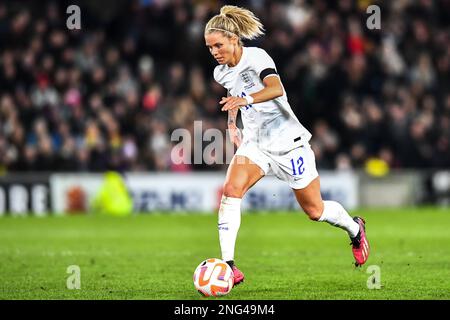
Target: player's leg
<point>334,213</point>
<point>298,167</point>
<point>242,174</point>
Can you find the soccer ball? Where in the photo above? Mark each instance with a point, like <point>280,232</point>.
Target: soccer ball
<point>213,277</point>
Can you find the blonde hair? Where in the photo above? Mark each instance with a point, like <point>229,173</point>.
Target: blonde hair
<point>237,21</point>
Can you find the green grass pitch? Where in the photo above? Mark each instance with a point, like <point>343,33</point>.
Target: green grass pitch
<point>283,256</point>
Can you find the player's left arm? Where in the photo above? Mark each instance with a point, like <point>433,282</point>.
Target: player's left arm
<point>272,90</point>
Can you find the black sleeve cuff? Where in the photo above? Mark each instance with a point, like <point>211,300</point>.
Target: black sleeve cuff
<point>266,72</point>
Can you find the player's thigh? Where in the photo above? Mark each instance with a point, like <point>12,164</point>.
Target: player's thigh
<point>242,174</point>
<point>310,199</point>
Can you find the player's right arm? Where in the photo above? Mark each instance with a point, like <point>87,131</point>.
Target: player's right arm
<point>234,132</point>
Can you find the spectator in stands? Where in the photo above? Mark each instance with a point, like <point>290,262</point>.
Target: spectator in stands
<point>109,96</point>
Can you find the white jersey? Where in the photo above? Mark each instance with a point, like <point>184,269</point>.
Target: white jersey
<point>272,124</point>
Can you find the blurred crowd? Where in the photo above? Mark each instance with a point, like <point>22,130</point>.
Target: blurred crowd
<point>108,96</point>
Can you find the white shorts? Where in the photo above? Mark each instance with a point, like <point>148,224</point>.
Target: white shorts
<point>296,167</point>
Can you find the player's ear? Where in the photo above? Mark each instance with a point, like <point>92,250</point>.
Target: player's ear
<point>234,39</point>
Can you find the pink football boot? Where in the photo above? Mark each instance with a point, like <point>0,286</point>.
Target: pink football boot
<point>238,276</point>
<point>360,245</point>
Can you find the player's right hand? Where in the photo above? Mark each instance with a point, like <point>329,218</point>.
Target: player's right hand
<point>232,103</point>
<point>235,134</point>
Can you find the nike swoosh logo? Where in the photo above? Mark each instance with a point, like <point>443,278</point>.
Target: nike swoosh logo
<point>222,223</point>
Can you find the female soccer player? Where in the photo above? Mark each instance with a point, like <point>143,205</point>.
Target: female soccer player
<point>274,141</point>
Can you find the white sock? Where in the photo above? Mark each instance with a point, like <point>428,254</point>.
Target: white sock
<point>335,214</point>
<point>228,225</point>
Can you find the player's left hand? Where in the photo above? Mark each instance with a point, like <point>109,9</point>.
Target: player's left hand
<point>231,103</point>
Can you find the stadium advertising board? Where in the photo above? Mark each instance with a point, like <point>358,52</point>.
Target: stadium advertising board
<point>440,188</point>
<point>21,195</point>
<point>73,193</point>
<point>194,192</point>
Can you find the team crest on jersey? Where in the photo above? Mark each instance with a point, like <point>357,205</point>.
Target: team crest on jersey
<point>245,76</point>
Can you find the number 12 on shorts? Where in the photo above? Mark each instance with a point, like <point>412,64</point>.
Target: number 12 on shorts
<point>297,166</point>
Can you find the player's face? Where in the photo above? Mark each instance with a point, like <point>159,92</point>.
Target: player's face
<point>221,47</point>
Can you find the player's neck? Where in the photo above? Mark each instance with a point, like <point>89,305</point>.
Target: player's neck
<point>237,57</point>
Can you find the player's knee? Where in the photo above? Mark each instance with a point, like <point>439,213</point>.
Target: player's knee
<point>232,190</point>
<point>314,211</point>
